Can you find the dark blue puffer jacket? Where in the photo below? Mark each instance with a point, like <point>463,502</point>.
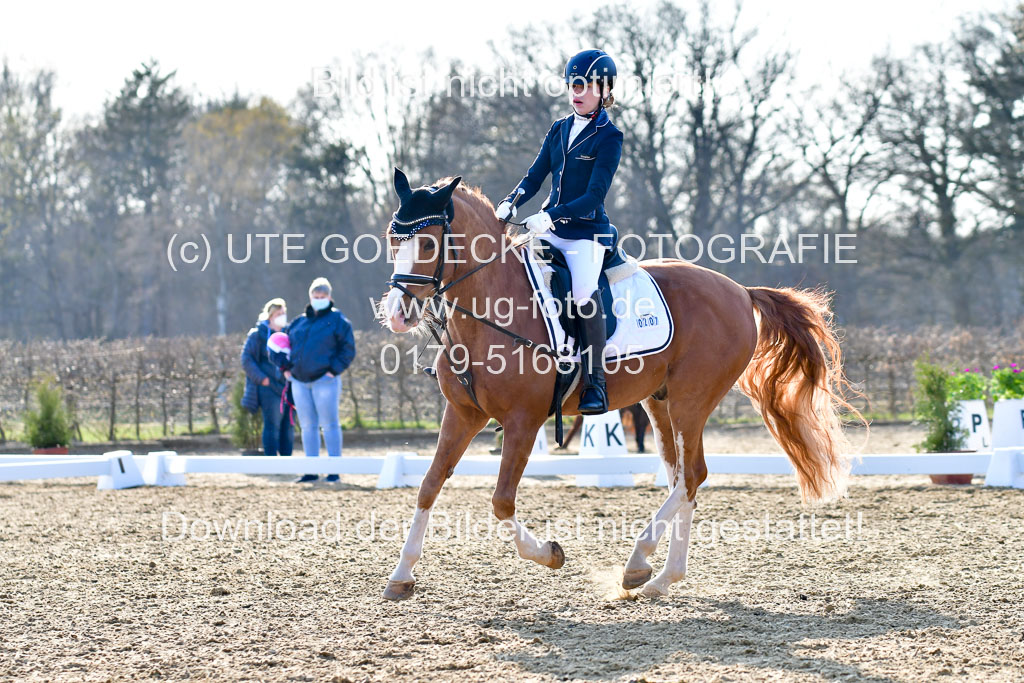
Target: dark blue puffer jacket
<point>257,365</point>
<point>322,342</point>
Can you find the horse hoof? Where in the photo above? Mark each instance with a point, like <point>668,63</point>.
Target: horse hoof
<point>653,590</point>
<point>399,590</point>
<point>557,555</point>
<point>634,578</point>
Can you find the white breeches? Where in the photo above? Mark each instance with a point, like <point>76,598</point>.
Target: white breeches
<point>585,258</point>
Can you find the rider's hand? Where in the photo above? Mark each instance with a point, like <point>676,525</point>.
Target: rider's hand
<point>505,210</point>
<point>539,223</point>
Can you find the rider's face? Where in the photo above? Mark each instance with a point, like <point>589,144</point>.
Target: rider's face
<point>585,97</point>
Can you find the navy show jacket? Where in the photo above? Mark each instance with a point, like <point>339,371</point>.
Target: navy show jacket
<point>580,176</point>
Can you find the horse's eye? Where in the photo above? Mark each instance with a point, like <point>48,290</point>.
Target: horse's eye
<point>428,245</point>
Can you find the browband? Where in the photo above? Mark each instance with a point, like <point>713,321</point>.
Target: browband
<point>404,230</point>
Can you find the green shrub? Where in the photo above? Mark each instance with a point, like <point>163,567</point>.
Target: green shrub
<point>1007,382</point>
<point>247,429</point>
<point>935,409</point>
<point>967,385</point>
<point>49,426</point>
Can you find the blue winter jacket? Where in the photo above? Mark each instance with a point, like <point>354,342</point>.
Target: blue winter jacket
<point>580,176</point>
<point>258,366</point>
<point>322,342</point>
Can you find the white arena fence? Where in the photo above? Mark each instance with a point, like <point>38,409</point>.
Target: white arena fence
<point>122,469</point>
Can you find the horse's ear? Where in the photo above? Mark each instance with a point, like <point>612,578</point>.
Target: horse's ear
<point>402,184</point>
<point>449,189</point>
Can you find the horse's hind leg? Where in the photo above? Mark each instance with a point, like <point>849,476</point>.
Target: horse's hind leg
<point>638,570</point>
<point>457,430</point>
<point>688,418</point>
<point>678,545</point>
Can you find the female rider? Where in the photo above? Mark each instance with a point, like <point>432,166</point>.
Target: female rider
<point>581,152</point>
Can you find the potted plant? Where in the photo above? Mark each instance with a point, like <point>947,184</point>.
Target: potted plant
<point>1007,387</point>
<point>934,409</point>
<point>48,429</point>
<point>247,430</point>
<point>966,393</point>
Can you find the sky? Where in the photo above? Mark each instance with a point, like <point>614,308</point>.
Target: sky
<point>261,48</point>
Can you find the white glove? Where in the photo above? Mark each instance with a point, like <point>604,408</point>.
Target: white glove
<point>539,223</point>
<point>504,210</point>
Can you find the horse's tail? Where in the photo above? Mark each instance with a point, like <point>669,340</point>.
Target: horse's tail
<point>795,379</point>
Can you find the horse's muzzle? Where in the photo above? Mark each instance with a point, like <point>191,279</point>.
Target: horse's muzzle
<point>401,311</point>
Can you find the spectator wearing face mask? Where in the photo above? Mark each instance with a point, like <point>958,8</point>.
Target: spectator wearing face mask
<point>265,383</point>
<point>322,347</point>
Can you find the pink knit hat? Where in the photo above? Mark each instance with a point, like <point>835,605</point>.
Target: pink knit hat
<point>279,343</point>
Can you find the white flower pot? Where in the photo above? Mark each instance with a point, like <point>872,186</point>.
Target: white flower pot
<point>1008,423</point>
<point>973,417</point>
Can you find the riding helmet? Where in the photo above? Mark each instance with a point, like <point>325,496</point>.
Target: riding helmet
<point>590,65</point>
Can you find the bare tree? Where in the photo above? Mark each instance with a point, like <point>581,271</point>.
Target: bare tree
<point>701,113</point>
<point>837,142</point>
<point>236,161</point>
<point>992,51</point>
<point>920,124</point>
<point>33,201</point>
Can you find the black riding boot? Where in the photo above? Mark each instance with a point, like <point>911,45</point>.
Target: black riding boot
<point>594,398</point>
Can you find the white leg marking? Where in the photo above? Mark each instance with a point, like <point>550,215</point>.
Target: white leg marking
<point>528,546</point>
<point>678,545</point>
<point>647,541</point>
<point>679,460</point>
<point>413,547</point>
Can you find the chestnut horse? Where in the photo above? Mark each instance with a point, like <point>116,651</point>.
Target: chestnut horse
<point>776,344</point>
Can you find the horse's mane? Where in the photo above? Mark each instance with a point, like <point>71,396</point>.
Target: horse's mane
<point>478,203</point>
<point>469,192</point>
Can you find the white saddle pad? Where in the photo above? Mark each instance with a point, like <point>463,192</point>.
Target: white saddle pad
<point>644,324</point>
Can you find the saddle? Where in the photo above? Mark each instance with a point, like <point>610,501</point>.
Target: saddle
<point>614,268</point>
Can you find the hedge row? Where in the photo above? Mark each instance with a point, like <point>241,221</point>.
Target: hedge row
<point>127,386</point>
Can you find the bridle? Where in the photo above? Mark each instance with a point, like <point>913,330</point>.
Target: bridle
<point>440,328</point>
<point>399,280</point>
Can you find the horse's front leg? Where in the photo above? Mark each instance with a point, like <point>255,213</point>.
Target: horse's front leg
<point>515,451</point>
<point>457,430</point>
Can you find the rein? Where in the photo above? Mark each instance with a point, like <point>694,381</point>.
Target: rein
<point>398,281</point>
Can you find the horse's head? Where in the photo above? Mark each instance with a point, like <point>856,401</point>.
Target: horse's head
<point>417,241</point>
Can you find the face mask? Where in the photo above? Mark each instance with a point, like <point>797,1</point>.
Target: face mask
<point>280,320</point>
<point>319,304</point>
